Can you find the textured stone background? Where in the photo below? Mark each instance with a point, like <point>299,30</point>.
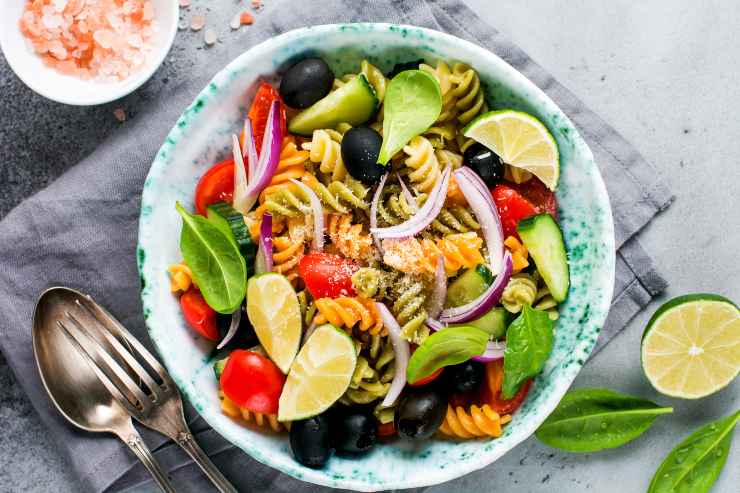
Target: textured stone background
<point>664,73</point>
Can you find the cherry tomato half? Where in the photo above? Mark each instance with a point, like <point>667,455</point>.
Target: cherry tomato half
<point>216,185</point>
<point>252,381</point>
<point>539,195</point>
<point>200,316</point>
<point>386,429</point>
<point>491,391</point>
<point>259,111</point>
<point>512,207</point>
<point>327,275</point>
<point>427,379</point>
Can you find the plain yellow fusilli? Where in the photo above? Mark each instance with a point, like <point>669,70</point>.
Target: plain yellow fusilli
<point>348,312</point>
<point>423,162</point>
<point>325,149</point>
<point>180,277</point>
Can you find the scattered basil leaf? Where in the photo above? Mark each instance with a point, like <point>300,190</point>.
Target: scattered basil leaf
<point>413,101</point>
<point>694,465</point>
<point>446,347</point>
<point>218,268</point>
<point>588,420</point>
<point>528,345</point>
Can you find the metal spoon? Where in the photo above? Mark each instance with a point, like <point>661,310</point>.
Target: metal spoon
<point>73,385</point>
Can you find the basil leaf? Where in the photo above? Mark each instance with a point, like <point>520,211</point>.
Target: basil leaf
<point>528,345</point>
<point>694,465</point>
<point>218,268</point>
<point>588,420</point>
<point>446,347</point>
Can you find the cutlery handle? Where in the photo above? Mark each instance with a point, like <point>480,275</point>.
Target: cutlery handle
<point>187,442</point>
<point>138,447</point>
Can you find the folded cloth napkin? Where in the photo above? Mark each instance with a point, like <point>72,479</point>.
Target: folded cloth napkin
<point>81,230</point>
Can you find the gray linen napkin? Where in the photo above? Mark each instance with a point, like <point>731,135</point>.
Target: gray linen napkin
<point>81,230</point>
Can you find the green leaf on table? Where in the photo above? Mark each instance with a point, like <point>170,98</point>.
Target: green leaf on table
<point>528,345</point>
<point>413,101</point>
<point>218,268</point>
<point>694,465</point>
<point>588,420</point>
<point>446,347</point>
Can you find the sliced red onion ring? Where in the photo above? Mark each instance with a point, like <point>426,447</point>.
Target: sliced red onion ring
<point>434,324</point>
<point>263,262</point>
<point>439,293</point>
<point>401,349</point>
<point>318,216</point>
<point>407,194</point>
<point>249,151</point>
<point>494,350</point>
<point>241,182</point>
<point>236,319</point>
<point>374,211</point>
<point>483,303</point>
<point>481,202</point>
<point>245,198</point>
<point>423,216</point>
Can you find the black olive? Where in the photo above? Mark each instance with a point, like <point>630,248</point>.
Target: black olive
<point>360,149</point>
<point>245,335</point>
<point>485,162</point>
<point>306,82</point>
<point>465,377</point>
<point>309,441</point>
<point>354,432</point>
<point>400,67</point>
<point>420,414</point>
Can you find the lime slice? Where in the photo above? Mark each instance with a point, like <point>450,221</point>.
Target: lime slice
<point>691,346</point>
<point>275,314</point>
<point>320,374</point>
<point>521,140</point>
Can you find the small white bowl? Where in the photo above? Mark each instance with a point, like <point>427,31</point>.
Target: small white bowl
<point>71,90</point>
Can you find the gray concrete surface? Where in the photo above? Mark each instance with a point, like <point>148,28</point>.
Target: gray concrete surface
<point>664,73</point>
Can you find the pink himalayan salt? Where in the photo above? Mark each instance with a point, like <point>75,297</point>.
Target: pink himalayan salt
<point>197,22</point>
<point>184,3</point>
<point>90,39</point>
<point>210,37</point>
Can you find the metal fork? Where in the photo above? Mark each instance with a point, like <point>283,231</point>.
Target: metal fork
<point>154,400</point>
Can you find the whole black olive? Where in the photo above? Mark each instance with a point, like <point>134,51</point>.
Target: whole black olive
<point>401,67</point>
<point>245,335</point>
<point>354,432</point>
<point>485,162</point>
<point>306,82</point>
<point>310,440</point>
<point>420,414</point>
<point>465,377</point>
<point>360,149</point>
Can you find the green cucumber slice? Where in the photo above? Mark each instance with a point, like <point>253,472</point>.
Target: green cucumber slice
<point>231,222</point>
<point>468,286</point>
<point>353,103</point>
<point>544,240</point>
<point>494,322</point>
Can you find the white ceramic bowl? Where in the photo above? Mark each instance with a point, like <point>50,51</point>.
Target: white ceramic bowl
<point>71,90</point>
<point>202,135</point>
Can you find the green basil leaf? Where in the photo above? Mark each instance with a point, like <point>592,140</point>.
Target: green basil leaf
<point>588,420</point>
<point>218,268</point>
<point>446,347</point>
<point>694,465</point>
<point>412,104</point>
<point>528,345</point>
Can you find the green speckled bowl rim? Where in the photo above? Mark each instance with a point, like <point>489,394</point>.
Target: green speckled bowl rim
<point>592,310</point>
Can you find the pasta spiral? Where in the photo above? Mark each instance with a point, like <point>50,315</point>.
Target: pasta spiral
<point>374,76</point>
<point>519,253</point>
<point>348,238</point>
<point>472,423</point>
<point>262,420</point>
<point>288,251</point>
<point>290,201</point>
<point>412,256</point>
<point>408,307</point>
<point>348,312</point>
<point>423,162</point>
<point>325,149</point>
<point>470,99</point>
<point>180,277</point>
<point>291,166</point>
<point>522,289</point>
<point>444,129</point>
<point>366,282</point>
<point>373,372</point>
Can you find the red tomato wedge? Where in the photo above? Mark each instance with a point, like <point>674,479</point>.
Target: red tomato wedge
<point>327,275</point>
<point>216,185</point>
<point>259,111</point>
<point>491,390</point>
<point>252,381</point>
<point>427,379</point>
<point>200,316</point>
<point>512,208</point>
<point>539,195</point>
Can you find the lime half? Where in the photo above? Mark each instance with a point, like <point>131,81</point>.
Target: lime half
<point>275,314</point>
<point>691,346</point>
<point>521,140</point>
<point>320,374</point>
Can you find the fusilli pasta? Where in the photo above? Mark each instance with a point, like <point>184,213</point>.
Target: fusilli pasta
<point>519,253</point>
<point>262,420</point>
<point>470,99</point>
<point>180,277</point>
<point>412,256</point>
<point>338,197</point>
<point>522,289</point>
<point>423,162</point>
<point>348,312</point>
<point>348,238</point>
<point>291,166</point>
<point>472,423</point>
<point>410,298</point>
<point>325,150</point>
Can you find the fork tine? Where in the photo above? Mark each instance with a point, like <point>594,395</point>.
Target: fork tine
<point>145,403</point>
<point>109,320</point>
<point>112,388</point>
<point>122,352</point>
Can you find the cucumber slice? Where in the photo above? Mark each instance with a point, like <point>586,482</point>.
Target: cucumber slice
<point>544,240</point>
<point>354,103</point>
<point>231,222</point>
<point>494,322</point>
<point>468,286</point>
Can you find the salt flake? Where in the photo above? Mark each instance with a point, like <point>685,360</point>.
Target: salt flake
<point>197,22</point>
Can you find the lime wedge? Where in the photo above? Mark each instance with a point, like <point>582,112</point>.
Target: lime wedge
<point>521,140</point>
<point>691,346</point>
<point>320,374</point>
<point>275,314</point>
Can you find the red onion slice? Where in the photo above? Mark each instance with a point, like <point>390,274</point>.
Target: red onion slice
<point>263,262</point>
<point>249,151</point>
<point>318,216</point>
<point>241,183</point>
<point>374,211</point>
<point>407,194</point>
<point>434,324</point>
<point>485,211</point>
<point>236,319</point>
<point>402,350</point>
<point>423,216</point>
<point>439,293</point>
<point>494,350</point>
<point>483,303</point>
